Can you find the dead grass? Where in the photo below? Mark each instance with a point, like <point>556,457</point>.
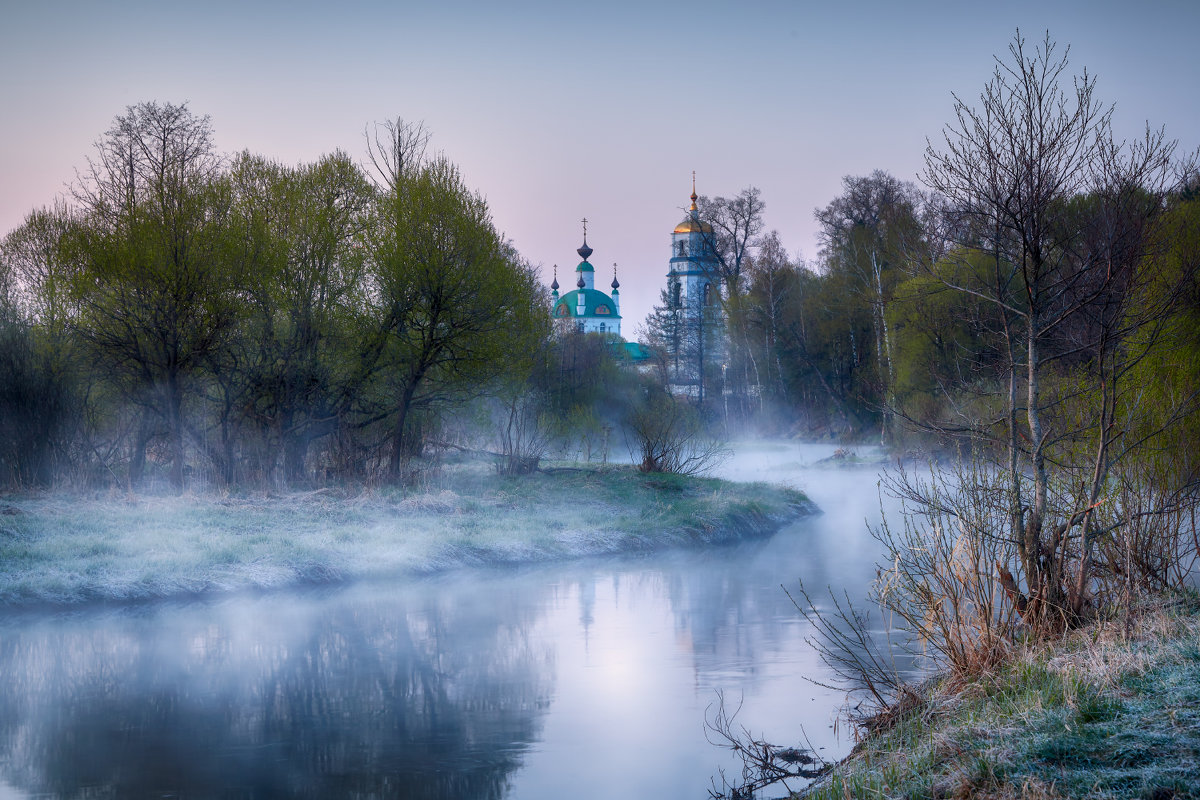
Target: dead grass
<point>1111,711</point>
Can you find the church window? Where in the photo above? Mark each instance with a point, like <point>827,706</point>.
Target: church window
<point>682,249</point>
<point>602,327</point>
<point>579,326</point>
<point>675,287</point>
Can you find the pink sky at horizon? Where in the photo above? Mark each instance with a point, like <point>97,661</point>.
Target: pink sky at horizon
<point>559,111</point>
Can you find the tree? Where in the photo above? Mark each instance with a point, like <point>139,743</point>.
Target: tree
<point>867,233</point>
<point>773,281</point>
<point>688,342</point>
<point>151,289</point>
<point>735,224</point>
<point>452,297</point>
<point>297,366</point>
<point>44,378</point>
<point>1033,179</point>
<point>730,232</point>
<point>668,435</point>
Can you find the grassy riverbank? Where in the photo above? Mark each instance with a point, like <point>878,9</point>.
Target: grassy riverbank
<point>59,548</point>
<point>1109,712</point>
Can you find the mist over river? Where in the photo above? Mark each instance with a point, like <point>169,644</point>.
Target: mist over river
<point>573,679</point>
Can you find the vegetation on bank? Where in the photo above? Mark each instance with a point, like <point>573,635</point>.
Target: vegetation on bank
<point>1052,341</point>
<point>66,548</point>
<point>1110,711</point>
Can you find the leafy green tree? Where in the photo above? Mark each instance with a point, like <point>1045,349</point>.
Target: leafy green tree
<point>151,289</point>
<point>297,365</point>
<point>867,233</point>
<point>1168,378</point>
<point>947,350</point>
<point>42,389</point>
<point>452,296</point>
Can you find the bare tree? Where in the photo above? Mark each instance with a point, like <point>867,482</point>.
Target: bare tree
<point>763,764</point>
<point>730,232</point>
<point>668,435</point>
<point>396,150</point>
<point>735,224</point>
<point>773,279</point>
<point>1033,178</point>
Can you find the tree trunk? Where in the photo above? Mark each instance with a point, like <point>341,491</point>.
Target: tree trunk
<point>398,443</point>
<point>884,344</point>
<point>175,431</point>
<point>137,451</point>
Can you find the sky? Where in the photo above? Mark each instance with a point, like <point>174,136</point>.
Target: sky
<point>559,110</point>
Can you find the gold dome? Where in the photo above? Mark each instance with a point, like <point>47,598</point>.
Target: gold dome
<point>693,225</point>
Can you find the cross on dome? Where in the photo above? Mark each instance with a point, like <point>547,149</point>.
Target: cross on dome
<point>584,251</point>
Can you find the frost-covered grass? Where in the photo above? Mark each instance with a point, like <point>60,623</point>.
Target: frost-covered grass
<point>1112,712</point>
<point>68,548</point>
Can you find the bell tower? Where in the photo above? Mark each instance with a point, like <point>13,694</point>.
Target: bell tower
<point>692,271</point>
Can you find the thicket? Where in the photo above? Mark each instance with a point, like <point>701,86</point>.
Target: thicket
<point>1032,315</point>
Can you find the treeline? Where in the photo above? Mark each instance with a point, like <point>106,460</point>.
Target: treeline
<point>903,330</point>
<point>193,320</point>
<point>263,324</point>
<point>246,322</point>
<point>1033,315</point>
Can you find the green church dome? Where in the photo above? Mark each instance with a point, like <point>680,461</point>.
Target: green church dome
<point>595,304</point>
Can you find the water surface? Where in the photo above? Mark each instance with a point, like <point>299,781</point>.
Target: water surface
<point>580,679</point>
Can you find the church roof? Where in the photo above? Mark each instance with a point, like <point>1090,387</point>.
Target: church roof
<point>585,266</point>
<point>595,304</point>
<point>637,352</point>
<point>693,225</point>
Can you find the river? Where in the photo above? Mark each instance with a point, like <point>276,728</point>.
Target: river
<point>582,679</point>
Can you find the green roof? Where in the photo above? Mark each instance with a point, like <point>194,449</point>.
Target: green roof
<point>595,304</point>
<point>637,352</point>
<point>585,267</point>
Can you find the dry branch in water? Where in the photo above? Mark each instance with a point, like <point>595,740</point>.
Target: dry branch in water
<point>763,764</point>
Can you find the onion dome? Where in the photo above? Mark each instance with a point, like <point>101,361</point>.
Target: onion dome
<point>615,284</point>
<point>691,223</point>
<point>554,285</point>
<point>584,251</point>
<point>580,282</point>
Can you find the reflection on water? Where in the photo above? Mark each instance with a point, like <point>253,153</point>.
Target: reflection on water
<point>343,695</point>
<point>587,679</point>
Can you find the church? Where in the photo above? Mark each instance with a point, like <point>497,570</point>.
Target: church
<point>690,279</point>
<point>586,308</point>
<point>690,336</point>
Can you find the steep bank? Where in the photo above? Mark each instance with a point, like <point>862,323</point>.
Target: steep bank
<point>68,549</point>
<point>1110,712</point>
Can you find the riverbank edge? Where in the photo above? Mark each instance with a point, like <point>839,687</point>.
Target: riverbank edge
<point>1109,711</point>
<point>68,549</point>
